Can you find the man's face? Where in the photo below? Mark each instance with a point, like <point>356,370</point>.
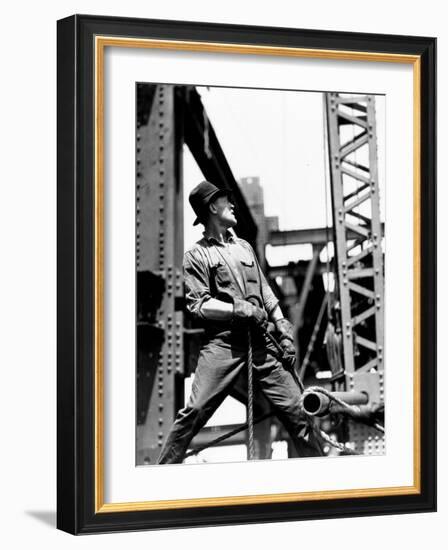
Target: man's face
<point>224,210</point>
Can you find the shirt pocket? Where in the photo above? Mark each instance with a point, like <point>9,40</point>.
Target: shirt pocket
<point>222,275</point>
<point>250,270</point>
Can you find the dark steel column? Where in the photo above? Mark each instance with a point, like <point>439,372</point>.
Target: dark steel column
<point>159,249</point>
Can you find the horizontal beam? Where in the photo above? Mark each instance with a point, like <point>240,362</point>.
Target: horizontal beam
<point>300,236</point>
<point>319,235</point>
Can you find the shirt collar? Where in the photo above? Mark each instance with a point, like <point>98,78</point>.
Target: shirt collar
<point>230,238</point>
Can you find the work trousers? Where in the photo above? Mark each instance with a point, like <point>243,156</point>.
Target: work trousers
<point>220,363</point>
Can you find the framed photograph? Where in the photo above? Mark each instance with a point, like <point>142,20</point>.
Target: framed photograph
<point>246,274</point>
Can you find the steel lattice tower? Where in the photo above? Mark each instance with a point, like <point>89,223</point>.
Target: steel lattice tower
<point>358,239</point>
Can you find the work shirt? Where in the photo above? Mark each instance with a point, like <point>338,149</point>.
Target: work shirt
<point>213,269</point>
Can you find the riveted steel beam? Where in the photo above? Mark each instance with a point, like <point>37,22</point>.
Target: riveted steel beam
<point>159,251</point>
<point>356,212</point>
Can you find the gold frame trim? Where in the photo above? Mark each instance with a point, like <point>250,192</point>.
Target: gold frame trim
<point>101,42</point>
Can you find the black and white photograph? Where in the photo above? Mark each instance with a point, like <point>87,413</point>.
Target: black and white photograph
<point>259,245</point>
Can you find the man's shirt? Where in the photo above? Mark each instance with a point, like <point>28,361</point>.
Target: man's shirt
<point>225,271</point>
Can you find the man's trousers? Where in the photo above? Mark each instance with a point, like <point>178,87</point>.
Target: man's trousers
<point>220,363</point>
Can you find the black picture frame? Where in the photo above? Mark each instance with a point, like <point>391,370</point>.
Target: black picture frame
<point>77,511</point>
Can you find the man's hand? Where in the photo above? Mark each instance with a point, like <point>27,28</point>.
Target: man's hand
<point>289,353</point>
<point>284,328</point>
<point>246,311</point>
<point>287,346</point>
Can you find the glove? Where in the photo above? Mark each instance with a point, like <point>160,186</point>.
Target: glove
<point>246,311</point>
<point>289,354</point>
<point>287,346</point>
<point>284,328</point>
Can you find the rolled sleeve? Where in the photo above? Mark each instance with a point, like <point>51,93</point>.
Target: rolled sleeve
<point>197,287</point>
<point>269,299</point>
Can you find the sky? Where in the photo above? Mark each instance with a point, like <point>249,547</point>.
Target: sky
<point>278,136</point>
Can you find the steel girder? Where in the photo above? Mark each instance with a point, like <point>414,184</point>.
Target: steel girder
<point>159,251</point>
<point>358,237</point>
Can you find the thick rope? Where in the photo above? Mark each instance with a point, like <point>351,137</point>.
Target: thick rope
<point>340,446</point>
<point>250,397</point>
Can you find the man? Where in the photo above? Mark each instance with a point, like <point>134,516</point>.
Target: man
<point>226,289</point>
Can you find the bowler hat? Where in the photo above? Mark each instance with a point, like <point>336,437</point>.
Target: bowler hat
<point>202,195</point>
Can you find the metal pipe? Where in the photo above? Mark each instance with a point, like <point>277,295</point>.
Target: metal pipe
<point>319,404</point>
